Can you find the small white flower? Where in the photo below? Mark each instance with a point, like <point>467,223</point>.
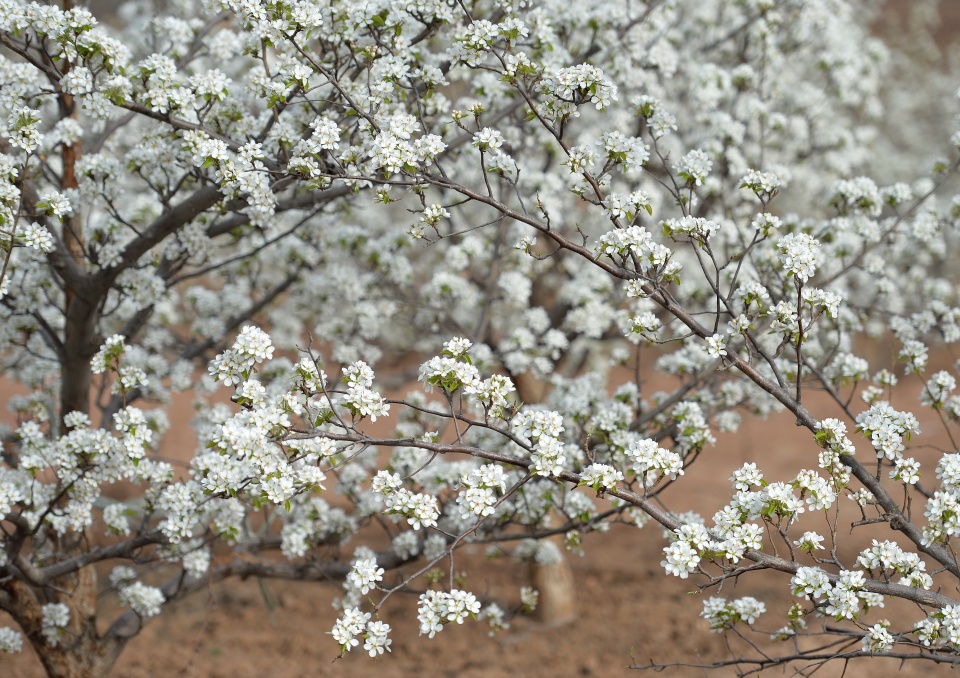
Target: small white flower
<point>716,346</point>
<point>878,639</point>
<point>376,639</point>
<point>10,640</point>
<point>694,167</point>
<point>365,575</point>
<point>145,600</point>
<point>799,254</point>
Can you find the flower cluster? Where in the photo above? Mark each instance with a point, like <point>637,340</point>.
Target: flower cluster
<point>108,357</point>
<point>694,167</point>
<point>654,259</point>
<point>492,393</point>
<point>420,510</point>
<point>941,628</point>
<point>887,555</point>
<point>631,153</point>
<point>841,599</point>
<point>56,616</point>
<point>832,435</point>
<point>640,326</point>
<point>938,390</point>
<point>914,354</point>
<point>449,373</point>
<point>799,255</point>
<point>765,184</point>
<point>10,640</point>
<point>682,555</point>
<point>696,228</point>
<point>365,575</point>
<point>22,125</point>
<point>809,542</point>
<point>251,347</point>
<point>36,237</point>
<point>887,428</point>
<point>582,83</point>
<point>352,623</point>
<point>360,399</point>
<point>479,494</point>
<point>145,600</point>
<point>878,639</point>
<point>619,205</point>
<point>438,608</point>
<point>430,217</point>
<point>544,429</point>
<point>600,477</point>
<point>392,150</point>
<point>857,195</point>
<point>651,462</point>
<point>723,614</point>
<point>661,121</point>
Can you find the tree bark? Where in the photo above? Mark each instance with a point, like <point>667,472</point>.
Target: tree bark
<point>557,603</point>
<point>80,652</point>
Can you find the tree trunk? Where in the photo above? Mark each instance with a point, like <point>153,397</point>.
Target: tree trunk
<point>80,652</point>
<point>557,603</point>
<point>79,346</point>
<point>80,309</point>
